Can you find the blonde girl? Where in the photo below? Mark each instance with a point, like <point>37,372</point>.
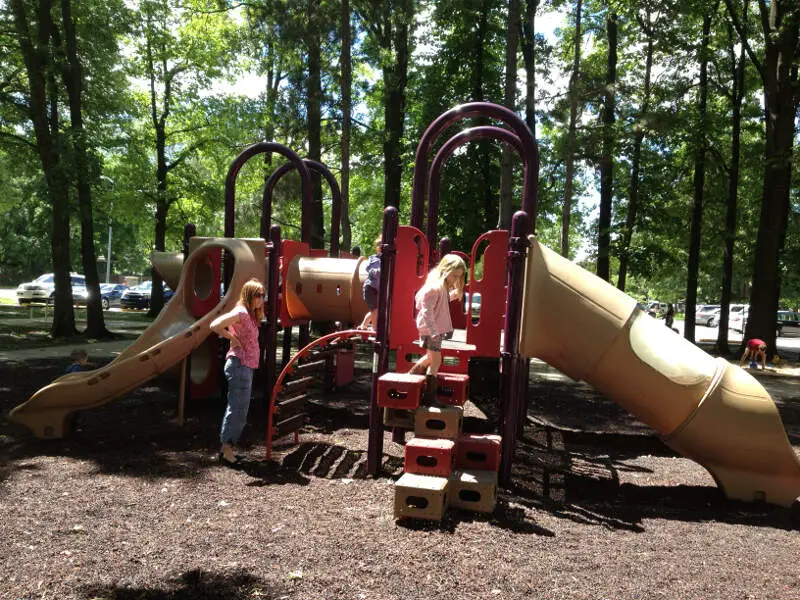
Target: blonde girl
<point>240,326</point>
<point>443,284</point>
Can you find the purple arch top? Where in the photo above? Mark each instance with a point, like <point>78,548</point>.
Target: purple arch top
<point>529,153</point>
<point>445,152</point>
<point>336,199</point>
<point>247,154</point>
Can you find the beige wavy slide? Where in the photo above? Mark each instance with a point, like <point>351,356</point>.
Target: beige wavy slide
<point>169,339</point>
<point>704,408</point>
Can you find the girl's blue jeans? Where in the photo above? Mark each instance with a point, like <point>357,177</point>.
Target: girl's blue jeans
<point>240,384</point>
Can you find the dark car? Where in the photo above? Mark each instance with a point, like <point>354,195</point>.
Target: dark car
<point>788,324</point>
<point>111,293</point>
<point>139,297</point>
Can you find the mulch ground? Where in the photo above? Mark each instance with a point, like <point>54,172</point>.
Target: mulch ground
<point>131,506</point>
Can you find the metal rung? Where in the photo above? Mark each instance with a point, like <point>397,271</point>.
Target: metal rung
<point>289,425</point>
<point>294,386</point>
<point>323,354</point>
<point>317,365</point>
<point>291,406</point>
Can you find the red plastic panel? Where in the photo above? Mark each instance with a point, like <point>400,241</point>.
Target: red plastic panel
<point>452,388</point>
<point>410,271</point>
<point>481,452</point>
<point>400,390</point>
<point>425,456</point>
<point>345,367</point>
<point>485,333</point>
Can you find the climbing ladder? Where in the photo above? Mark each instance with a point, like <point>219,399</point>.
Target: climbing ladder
<point>289,399</point>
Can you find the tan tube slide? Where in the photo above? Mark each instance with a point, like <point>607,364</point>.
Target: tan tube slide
<point>167,341</point>
<point>705,408</point>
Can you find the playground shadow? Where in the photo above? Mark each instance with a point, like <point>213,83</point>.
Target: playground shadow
<point>196,584</point>
<point>581,482</point>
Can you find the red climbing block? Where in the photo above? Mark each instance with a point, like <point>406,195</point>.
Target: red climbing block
<point>481,452</point>
<point>425,456</point>
<point>400,390</point>
<point>452,388</point>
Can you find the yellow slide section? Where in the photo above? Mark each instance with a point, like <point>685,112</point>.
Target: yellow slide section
<point>168,340</point>
<point>705,408</point>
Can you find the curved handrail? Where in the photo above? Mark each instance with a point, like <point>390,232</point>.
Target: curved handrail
<point>325,340</point>
<point>445,152</point>
<point>336,199</point>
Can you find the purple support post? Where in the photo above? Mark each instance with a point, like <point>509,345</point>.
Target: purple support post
<point>380,357</point>
<point>445,152</point>
<point>336,200</point>
<point>511,364</point>
<point>270,330</point>
<point>445,245</point>
<point>189,231</point>
<point>463,111</point>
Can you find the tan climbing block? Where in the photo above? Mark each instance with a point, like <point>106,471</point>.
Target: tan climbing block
<point>420,497</point>
<point>438,421</point>
<point>398,417</point>
<point>473,490</point>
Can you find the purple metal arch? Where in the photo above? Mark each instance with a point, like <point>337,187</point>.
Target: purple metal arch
<point>247,154</point>
<point>445,152</point>
<point>483,109</point>
<point>336,199</point>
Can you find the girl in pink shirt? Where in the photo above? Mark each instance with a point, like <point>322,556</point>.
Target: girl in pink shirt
<point>443,284</point>
<point>240,326</point>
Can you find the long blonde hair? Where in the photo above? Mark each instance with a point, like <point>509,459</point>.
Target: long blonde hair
<point>248,295</point>
<point>449,264</point>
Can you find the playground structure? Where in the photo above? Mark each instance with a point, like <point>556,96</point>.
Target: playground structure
<point>535,304</point>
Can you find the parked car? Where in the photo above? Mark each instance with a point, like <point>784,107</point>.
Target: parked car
<point>707,315</point>
<point>43,289</point>
<point>110,294</point>
<point>738,317</point>
<point>475,306</point>
<point>788,324</point>
<point>139,297</point>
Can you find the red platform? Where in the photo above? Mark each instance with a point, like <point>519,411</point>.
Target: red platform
<point>481,452</point>
<point>400,390</point>
<point>452,388</point>
<point>425,456</point>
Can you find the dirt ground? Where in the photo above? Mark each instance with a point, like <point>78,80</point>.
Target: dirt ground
<point>131,506</point>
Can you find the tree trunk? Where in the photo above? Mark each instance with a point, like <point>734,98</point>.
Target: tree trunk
<point>73,81</point>
<point>509,97</point>
<point>529,56</point>
<point>781,97</point>
<point>737,95</point>
<point>346,85</point>
<point>607,158</point>
<point>314,125</point>
<point>395,79</point>
<point>699,184</point>
<point>162,207</point>
<point>38,64</point>
<point>636,158</point>
<point>481,165</point>
<point>566,210</point>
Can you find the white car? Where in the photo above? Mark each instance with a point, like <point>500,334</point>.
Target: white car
<point>43,289</point>
<point>738,317</point>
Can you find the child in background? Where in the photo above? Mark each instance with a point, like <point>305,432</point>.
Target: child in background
<point>372,286</point>
<point>755,350</point>
<point>80,360</point>
<point>443,284</point>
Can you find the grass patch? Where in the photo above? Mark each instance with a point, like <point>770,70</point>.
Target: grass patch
<point>29,326</point>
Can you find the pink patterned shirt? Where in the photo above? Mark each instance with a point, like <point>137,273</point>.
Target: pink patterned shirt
<point>433,311</point>
<point>246,330</point>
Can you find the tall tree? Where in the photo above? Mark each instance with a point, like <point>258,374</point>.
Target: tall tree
<point>509,100</point>
<point>34,34</point>
<point>574,82</point>
<point>72,74</point>
<point>528,37</point>
<point>346,84</point>
<point>314,116</point>
<point>700,145</point>
<point>640,129</point>
<point>778,68</point>
<point>607,156</point>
